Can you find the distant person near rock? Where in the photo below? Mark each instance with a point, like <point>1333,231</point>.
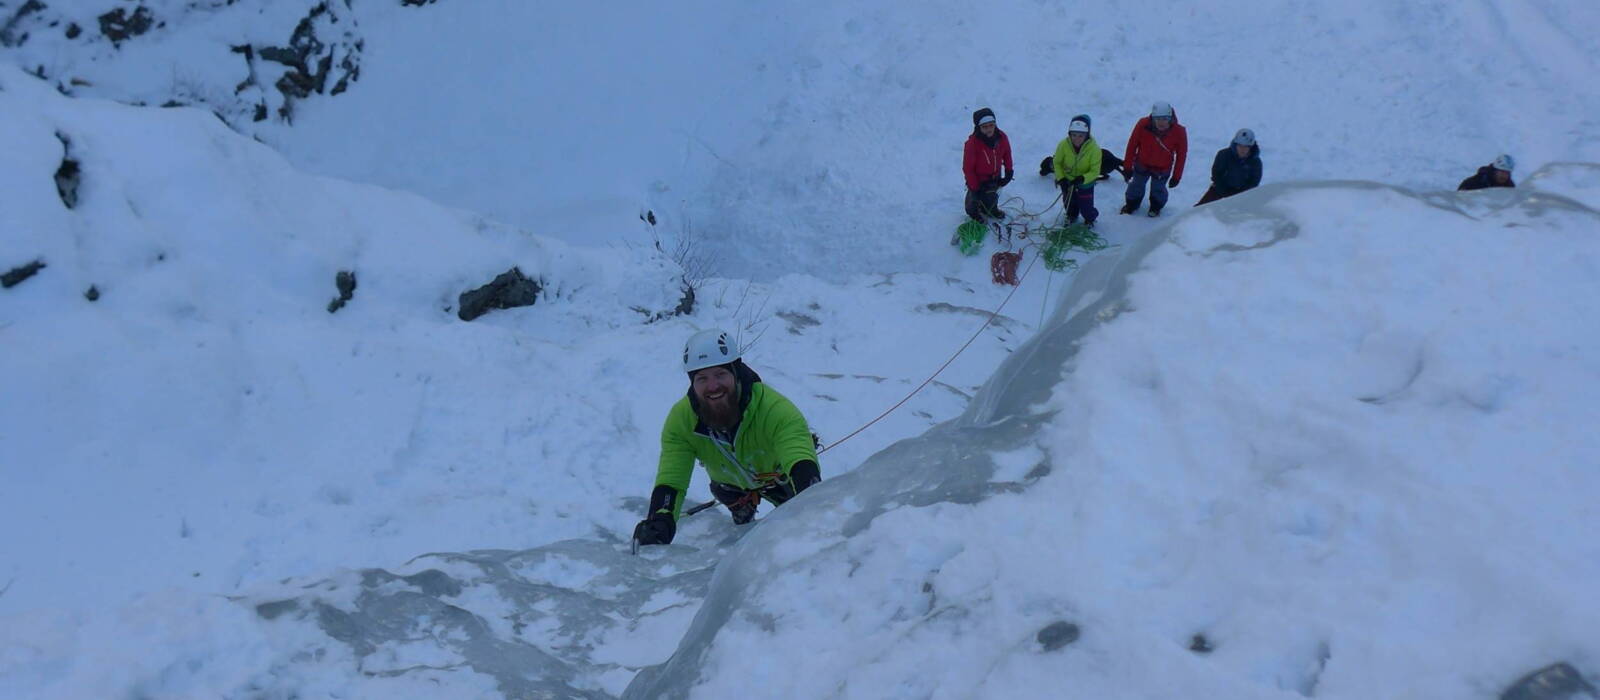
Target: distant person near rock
<point>752,441</point>
<point>986,164</point>
<point>1157,149</point>
<point>1235,169</point>
<point>1496,174</point>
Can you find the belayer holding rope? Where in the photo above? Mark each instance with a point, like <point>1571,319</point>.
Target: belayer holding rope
<point>986,165</point>
<point>752,441</point>
<point>1077,168</point>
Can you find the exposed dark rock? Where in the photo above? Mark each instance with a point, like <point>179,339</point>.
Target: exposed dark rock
<point>119,26</point>
<point>1057,634</point>
<point>93,294</point>
<point>288,57</point>
<point>294,84</point>
<point>272,610</point>
<point>69,175</point>
<point>73,30</point>
<point>67,182</point>
<point>345,281</point>
<point>798,322</point>
<point>686,303</point>
<point>1200,645</point>
<point>12,33</point>
<point>432,582</point>
<point>509,290</point>
<point>173,103</point>
<point>317,50</point>
<point>416,3</point>
<point>16,275</point>
<point>350,70</point>
<point>1558,681</point>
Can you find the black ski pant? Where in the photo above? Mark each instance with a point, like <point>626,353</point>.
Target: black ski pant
<point>1080,200</point>
<point>981,203</point>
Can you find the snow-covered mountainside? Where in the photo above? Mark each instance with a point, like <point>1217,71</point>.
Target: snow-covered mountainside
<point>1314,441</point>
<point>1326,439</point>
<point>787,131</point>
<point>207,396</point>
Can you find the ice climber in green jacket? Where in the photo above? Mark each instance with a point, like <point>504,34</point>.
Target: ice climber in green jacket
<point>752,441</point>
<point>1077,166</point>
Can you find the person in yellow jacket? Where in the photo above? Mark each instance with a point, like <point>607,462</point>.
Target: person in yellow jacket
<point>1077,165</point>
<point>752,441</point>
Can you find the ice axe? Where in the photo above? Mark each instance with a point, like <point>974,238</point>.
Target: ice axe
<point>708,504</point>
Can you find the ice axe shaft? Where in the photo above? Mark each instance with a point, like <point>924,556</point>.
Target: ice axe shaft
<point>698,508</point>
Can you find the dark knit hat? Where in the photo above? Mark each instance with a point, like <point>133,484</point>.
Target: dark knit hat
<point>980,114</point>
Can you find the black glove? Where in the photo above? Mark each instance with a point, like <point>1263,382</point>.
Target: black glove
<point>1172,183</point>
<point>1007,179</point>
<point>1077,181</point>
<point>659,528</point>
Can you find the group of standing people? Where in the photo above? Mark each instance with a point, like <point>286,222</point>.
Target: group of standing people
<point>1153,161</point>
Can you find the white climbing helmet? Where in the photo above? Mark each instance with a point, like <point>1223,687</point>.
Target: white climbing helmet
<point>1245,137</point>
<point>1078,126</point>
<point>1504,162</point>
<point>708,348</point>
<point>1161,109</point>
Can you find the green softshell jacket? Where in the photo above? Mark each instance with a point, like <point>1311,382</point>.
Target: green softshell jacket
<point>1083,162</point>
<point>772,437</point>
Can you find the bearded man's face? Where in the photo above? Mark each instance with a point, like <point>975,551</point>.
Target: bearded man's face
<point>717,391</point>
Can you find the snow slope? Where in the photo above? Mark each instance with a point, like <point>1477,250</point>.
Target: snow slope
<point>207,423</point>
<point>1338,431</point>
<point>784,134</point>
<point>205,429</point>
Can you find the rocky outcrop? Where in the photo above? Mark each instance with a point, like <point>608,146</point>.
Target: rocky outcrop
<point>320,54</point>
<point>15,30</point>
<point>508,290</point>
<point>345,282</point>
<point>321,57</point>
<point>119,25</point>
<point>68,175</point>
<point>16,275</point>
<point>1558,681</point>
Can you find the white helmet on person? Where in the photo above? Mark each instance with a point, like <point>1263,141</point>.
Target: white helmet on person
<point>1505,162</point>
<point>1161,109</point>
<point>709,348</point>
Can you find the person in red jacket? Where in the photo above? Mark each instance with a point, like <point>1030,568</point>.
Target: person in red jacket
<point>1156,151</point>
<point>986,163</point>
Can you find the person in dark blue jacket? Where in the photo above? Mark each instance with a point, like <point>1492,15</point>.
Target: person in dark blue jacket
<point>1496,174</point>
<point>1235,169</point>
